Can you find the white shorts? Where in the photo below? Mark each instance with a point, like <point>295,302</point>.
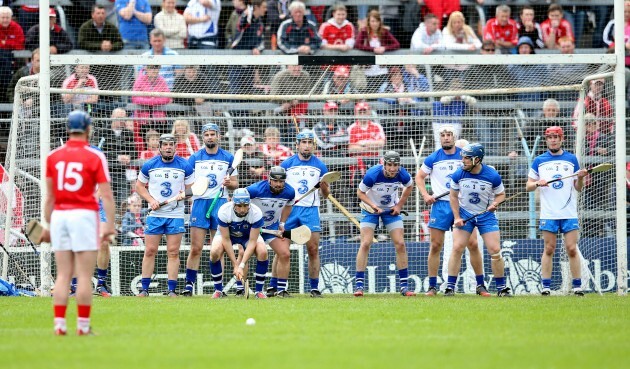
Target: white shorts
<point>75,230</point>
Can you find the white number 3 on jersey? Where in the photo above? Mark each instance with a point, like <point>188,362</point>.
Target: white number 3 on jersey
<point>68,176</point>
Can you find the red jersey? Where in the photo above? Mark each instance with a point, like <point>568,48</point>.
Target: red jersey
<point>563,30</point>
<point>494,31</point>
<point>12,37</point>
<point>334,34</point>
<point>75,169</point>
<point>372,131</point>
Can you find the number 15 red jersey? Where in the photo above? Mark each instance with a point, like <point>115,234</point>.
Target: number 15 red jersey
<point>75,169</point>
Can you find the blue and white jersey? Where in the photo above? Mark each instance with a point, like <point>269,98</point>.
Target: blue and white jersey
<point>303,175</point>
<point>269,203</point>
<point>208,28</point>
<point>559,199</point>
<point>239,227</point>
<point>213,166</point>
<point>477,191</point>
<point>381,190</point>
<point>440,166</point>
<point>165,181</point>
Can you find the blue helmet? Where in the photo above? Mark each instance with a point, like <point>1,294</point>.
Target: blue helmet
<point>209,127</point>
<point>474,150</point>
<point>241,196</point>
<point>78,121</point>
<point>305,135</point>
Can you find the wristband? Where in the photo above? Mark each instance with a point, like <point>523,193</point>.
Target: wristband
<point>281,224</point>
<point>242,265</point>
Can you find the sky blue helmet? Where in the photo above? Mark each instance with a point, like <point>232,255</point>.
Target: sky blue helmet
<point>474,150</point>
<point>78,121</point>
<point>209,127</point>
<point>241,196</point>
<point>305,135</point>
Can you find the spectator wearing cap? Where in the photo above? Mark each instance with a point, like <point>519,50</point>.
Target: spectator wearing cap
<point>555,27</point>
<point>59,40</point>
<point>598,105</point>
<point>274,152</point>
<point>366,138</point>
<point>252,168</point>
<point>11,33</point>
<point>502,30</point>
<point>331,134</point>
<point>427,36</point>
<point>298,35</point>
<point>528,75</point>
<point>172,24</point>
<point>340,84</point>
<point>337,33</point>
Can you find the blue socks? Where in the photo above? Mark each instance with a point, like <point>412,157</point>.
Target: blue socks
<point>283,284</point>
<point>273,283</point>
<point>102,275</point>
<point>451,282</point>
<point>403,274</point>
<point>217,275</point>
<point>479,279</point>
<point>432,282</point>
<point>360,279</point>
<point>145,283</point>
<point>577,282</point>
<point>191,278</point>
<point>172,284</point>
<point>500,281</point>
<point>260,273</point>
<point>546,283</point>
<point>73,285</point>
<point>314,284</point>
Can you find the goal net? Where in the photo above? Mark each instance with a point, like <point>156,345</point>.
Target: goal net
<point>358,107</point>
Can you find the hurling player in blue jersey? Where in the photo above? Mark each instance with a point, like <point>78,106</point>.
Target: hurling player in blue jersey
<point>475,188</point>
<point>440,166</point>
<point>239,224</point>
<point>212,162</point>
<point>166,175</point>
<point>275,199</point>
<point>379,190</point>
<point>558,205</point>
<point>304,171</point>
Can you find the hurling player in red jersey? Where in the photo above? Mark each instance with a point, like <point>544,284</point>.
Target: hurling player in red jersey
<point>72,173</point>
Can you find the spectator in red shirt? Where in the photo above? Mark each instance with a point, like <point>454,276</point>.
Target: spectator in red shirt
<point>153,145</point>
<point>272,149</point>
<point>502,30</point>
<point>83,80</point>
<point>595,103</point>
<point>555,27</point>
<point>11,34</point>
<point>337,33</point>
<point>367,138</point>
<point>187,141</point>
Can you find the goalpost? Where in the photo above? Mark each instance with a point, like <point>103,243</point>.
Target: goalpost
<point>488,99</point>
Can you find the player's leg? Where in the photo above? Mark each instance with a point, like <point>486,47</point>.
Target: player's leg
<point>441,220</point>
<point>394,225</point>
<point>216,268</point>
<point>274,280</point>
<point>312,249</point>
<point>575,264</point>
<point>549,230</point>
<point>460,239</point>
<point>84,264</point>
<point>173,243</point>
<point>476,260</point>
<point>492,240</point>
<point>309,216</point>
<point>367,236</point>
<point>281,260</point>
<point>65,267</point>
<point>102,265</point>
<point>199,226</point>
<point>262,264</point>
<point>151,243</point>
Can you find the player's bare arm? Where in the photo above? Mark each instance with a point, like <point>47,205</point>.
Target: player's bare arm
<point>142,190</point>
<point>498,199</point>
<point>230,182</point>
<point>286,211</point>
<point>579,183</point>
<point>109,206</point>
<point>422,187</point>
<point>532,185</point>
<point>48,208</point>
<point>403,200</point>
<point>249,250</point>
<point>324,188</point>
<point>227,244</point>
<point>454,201</point>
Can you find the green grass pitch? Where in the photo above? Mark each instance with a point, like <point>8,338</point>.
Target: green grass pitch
<point>384,331</point>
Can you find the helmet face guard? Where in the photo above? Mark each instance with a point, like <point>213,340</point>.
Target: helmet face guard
<point>167,138</point>
<point>473,151</point>
<point>391,158</point>
<point>277,174</point>
<point>241,199</point>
